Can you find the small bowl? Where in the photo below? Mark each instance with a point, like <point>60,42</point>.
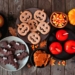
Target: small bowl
<point>56,26</point>
<point>32,58</point>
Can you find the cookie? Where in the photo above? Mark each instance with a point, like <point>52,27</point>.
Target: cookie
<point>40,15</point>
<point>23,29</point>
<point>43,28</point>
<point>17,45</point>
<point>22,55</point>
<point>4,60</point>
<point>13,61</point>
<point>25,16</point>
<point>5,44</point>
<point>33,25</point>
<point>5,52</point>
<point>34,38</point>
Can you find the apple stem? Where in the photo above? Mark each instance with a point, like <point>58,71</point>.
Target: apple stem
<point>58,49</point>
<point>65,33</point>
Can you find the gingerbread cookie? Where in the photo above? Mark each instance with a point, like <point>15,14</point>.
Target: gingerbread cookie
<point>25,16</point>
<point>40,15</point>
<point>43,27</point>
<point>5,52</point>
<point>33,25</point>
<point>34,38</point>
<point>22,55</point>
<point>17,45</point>
<point>23,29</point>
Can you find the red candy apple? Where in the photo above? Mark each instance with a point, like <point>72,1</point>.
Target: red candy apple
<point>61,35</point>
<point>55,48</point>
<point>70,46</point>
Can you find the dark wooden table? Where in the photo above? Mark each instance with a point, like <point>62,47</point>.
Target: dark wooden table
<point>12,8</point>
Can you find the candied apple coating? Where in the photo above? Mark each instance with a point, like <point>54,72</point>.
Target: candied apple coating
<point>41,58</point>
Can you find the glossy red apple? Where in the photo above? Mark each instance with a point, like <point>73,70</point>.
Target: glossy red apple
<point>70,46</point>
<point>61,35</point>
<point>55,48</point>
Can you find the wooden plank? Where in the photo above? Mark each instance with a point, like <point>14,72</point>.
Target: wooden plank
<point>30,4</point>
<point>1,71</point>
<point>57,70</point>
<point>43,71</point>
<point>5,7</point>
<point>70,67</point>
<point>17,73</point>
<point>1,5</point>
<point>46,5</point>
<point>29,71</point>
<point>70,4</point>
<point>9,73</point>
<point>58,5</point>
<point>4,72</point>
<point>2,9</point>
<point>15,6</point>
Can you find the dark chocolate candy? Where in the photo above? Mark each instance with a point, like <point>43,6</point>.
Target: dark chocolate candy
<point>5,44</point>
<point>4,60</point>
<point>5,51</point>
<point>13,61</point>
<point>22,55</point>
<point>17,45</point>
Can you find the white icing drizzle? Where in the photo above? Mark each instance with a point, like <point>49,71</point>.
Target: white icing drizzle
<point>5,50</point>
<point>4,58</point>
<point>15,60</point>
<point>17,43</point>
<point>18,54</point>
<point>9,46</point>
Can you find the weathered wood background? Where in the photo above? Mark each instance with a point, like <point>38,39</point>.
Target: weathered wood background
<point>12,8</point>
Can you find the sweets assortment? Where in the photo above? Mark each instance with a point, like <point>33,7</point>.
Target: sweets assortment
<point>32,26</point>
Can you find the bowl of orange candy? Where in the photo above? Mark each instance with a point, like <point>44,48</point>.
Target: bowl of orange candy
<point>58,19</point>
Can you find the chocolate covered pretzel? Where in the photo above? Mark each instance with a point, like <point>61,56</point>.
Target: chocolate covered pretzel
<point>5,44</point>
<point>17,45</point>
<point>21,55</point>
<point>5,51</point>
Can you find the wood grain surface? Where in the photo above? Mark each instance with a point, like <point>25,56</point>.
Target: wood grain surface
<point>12,9</point>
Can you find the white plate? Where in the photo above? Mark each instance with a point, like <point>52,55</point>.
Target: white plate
<point>23,62</point>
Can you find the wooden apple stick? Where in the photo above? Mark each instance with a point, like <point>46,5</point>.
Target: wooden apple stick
<point>58,49</point>
<point>65,33</point>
